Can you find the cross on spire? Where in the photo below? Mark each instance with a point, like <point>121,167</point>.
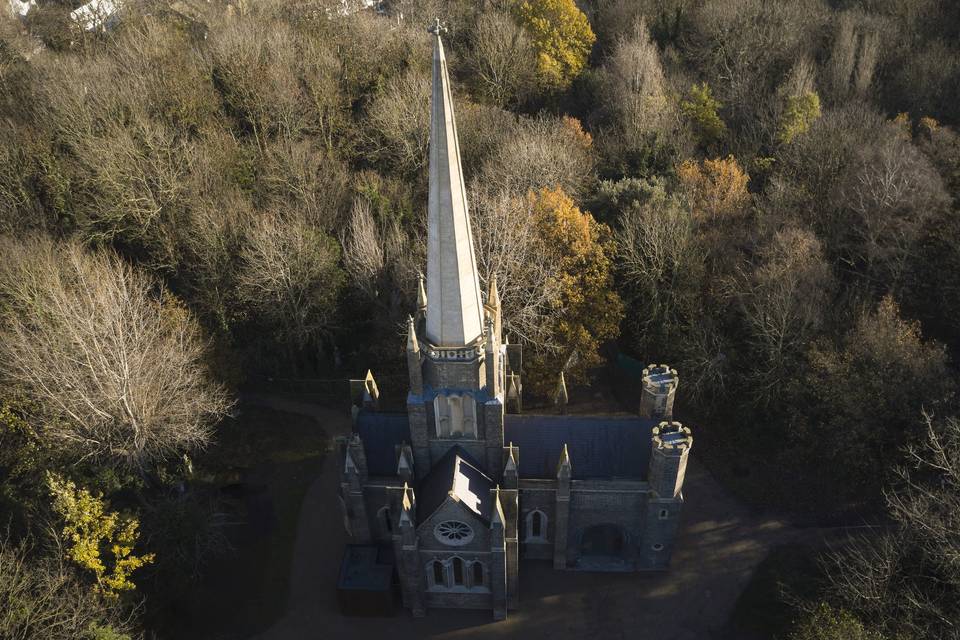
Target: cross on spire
<point>436,28</point>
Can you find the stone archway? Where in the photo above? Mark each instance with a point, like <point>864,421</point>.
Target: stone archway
<point>602,547</point>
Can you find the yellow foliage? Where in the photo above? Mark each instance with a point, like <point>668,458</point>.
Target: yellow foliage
<point>799,114</point>
<point>591,309</point>
<point>717,188</point>
<point>96,536</point>
<point>562,37</point>
<point>573,125</point>
<point>703,111</point>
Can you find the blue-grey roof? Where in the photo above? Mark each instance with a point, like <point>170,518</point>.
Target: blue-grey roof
<point>381,433</point>
<point>599,446</point>
<point>459,472</point>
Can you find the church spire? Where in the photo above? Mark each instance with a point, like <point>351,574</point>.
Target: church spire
<point>454,310</point>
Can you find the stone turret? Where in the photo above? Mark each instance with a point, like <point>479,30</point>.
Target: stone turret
<point>494,306</point>
<point>659,388</point>
<point>405,463</point>
<point>511,477</point>
<point>671,443</point>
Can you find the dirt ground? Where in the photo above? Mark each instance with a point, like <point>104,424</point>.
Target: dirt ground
<point>719,546</point>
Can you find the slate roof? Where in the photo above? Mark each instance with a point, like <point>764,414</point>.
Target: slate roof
<point>381,433</point>
<point>599,446</point>
<point>458,472</point>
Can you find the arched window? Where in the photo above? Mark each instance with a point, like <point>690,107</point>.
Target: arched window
<point>664,514</point>
<point>536,526</point>
<point>386,521</point>
<point>439,579</point>
<point>477,574</point>
<point>458,572</point>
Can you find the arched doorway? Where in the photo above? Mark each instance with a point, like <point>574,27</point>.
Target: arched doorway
<point>602,547</point>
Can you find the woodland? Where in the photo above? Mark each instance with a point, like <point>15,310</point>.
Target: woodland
<point>763,194</point>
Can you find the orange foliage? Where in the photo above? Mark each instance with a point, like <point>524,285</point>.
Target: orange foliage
<point>717,188</point>
<point>591,309</point>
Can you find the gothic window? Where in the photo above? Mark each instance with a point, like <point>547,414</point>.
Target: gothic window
<point>439,579</point>
<point>664,514</point>
<point>536,526</point>
<point>458,572</point>
<point>453,532</point>
<point>386,523</point>
<point>456,416</point>
<point>477,574</point>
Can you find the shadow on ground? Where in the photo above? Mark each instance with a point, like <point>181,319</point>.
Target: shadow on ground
<point>720,545</point>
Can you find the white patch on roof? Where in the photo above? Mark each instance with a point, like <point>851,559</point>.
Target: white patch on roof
<point>461,489</point>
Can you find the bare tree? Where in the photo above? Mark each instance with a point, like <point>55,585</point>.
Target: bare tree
<point>906,580</point>
<point>381,259</point>
<point>509,246</point>
<point>635,87</point>
<point>502,59</point>
<point>544,152</point>
<point>41,598</point>
<point>399,120</point>
<point>894,191</point>
<point>290,278</point>
<point>782,300</point>
<point>116,372</point>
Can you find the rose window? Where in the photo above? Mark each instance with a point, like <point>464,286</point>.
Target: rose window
<point>453,532</point>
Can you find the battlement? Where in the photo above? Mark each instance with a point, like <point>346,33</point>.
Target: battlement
<point>659,389</point>
<point>672,436</point>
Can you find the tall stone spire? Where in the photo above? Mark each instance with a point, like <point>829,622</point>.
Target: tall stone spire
<point>454,310</point>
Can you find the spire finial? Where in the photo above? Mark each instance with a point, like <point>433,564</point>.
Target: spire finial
<point>436,28</point>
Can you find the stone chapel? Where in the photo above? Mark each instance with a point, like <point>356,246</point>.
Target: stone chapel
<point>458,489</point>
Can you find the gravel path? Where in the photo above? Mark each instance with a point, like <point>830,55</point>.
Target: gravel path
<point>719,546</point>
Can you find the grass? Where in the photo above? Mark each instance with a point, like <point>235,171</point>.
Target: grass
<point>762,612</point>
<point>276,456</point>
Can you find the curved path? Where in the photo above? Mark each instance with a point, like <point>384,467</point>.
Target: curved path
<point>719,546</point>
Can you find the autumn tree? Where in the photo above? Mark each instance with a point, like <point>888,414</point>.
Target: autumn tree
<point>580,250</point>
<point>97,539</point>
<point>113,366</point>
<point>716,188</point>
<point>828,623</point>
<point>561,35</point>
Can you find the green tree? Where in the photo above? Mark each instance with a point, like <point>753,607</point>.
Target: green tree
<point>562,37</point>
<point>799,114</point>
<point>702,110</point>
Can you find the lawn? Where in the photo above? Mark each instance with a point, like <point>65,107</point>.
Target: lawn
<point>262,465</point>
